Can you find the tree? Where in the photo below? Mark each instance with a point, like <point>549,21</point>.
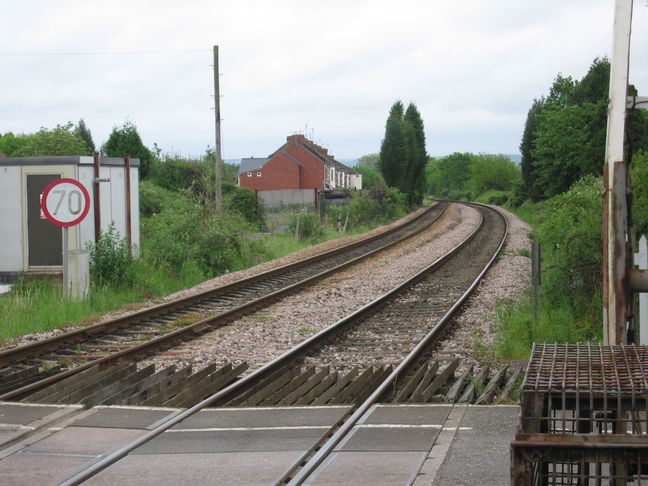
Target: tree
<point>125,140</point>
<point>10,143</point>
<point>83,132</point>
<point>369,161</point>
<point>492,172</point>
<point>449,175</point>
<point>403,157</point>
<point>58,141</point>
<point>393,149</point>
<point>418,157</point>
<point>529,188</point>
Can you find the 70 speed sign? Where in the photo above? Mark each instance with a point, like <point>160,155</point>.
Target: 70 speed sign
<point>65,202</point>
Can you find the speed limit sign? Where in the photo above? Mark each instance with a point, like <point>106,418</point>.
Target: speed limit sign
<point>65,202</point>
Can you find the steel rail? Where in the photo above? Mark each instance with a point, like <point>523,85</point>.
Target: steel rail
<point>278,363</point>
<point>432,336</point>
<point>212,322</point>
<point>71,337</point>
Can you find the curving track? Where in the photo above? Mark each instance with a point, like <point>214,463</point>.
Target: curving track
<point>416,312</point>
<point>30,367</point>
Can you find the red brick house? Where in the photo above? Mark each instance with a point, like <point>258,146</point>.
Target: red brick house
<point>297,164</point>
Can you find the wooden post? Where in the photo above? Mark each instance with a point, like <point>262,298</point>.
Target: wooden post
<point>536,275</point>
<point>218,197</point>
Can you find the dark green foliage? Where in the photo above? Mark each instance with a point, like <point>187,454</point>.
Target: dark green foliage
<point>465,176</point>
<point>403,156</point>
<point>83,132</point>
<point>244,202</point>
<point>10,143</point>
<point>448,174</point>
<point>370,177</point>
<point>639,178</point>
<point>393,149</point>
<point>125,140</point>
<point>187,233</point>
<point>177,173</point>
<point>154,199</point>
<point>529,187</point>
<point>492,172</point>
<point>565,133</point>
<point>415,177</point>
<point>306,226</point>
<point>111,262</point>
<point>572,240</point>
<point>58,141</point>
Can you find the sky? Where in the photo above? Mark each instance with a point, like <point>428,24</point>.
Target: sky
<point>328,68</point>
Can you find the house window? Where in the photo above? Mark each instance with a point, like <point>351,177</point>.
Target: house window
<point>249,174</point>
<point>258,174</point>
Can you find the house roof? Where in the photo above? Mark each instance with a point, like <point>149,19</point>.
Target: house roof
<point>251,164</point>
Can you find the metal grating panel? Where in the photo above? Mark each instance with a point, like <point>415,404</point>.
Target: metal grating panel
<point>587,368</point>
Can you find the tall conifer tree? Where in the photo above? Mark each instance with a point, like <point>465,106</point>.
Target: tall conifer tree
<point>417,155</point>
<point>393,147</point>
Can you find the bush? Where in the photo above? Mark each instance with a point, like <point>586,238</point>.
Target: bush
<point>244,202</point>
<point>640,193</point>
<point>154,199</point>
<point>111,260</point>
<point>572,241</point>
<point>498,198</point>
<point>309,226</point>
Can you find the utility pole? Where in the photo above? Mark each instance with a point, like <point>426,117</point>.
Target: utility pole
<point>617,294</point>
<point>218,197</point>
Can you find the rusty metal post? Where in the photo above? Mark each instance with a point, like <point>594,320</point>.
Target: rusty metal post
<point>616,297</point>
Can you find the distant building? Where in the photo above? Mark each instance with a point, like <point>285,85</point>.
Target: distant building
<point>298,164</point>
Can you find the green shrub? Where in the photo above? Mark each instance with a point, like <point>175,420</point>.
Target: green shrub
<point>310,227</point>
<point>498,198</point>
<point>244,202</point>
<point>111,260</point>
<point>640,193</point>
<point>153,198</point>
<point>572,242</point>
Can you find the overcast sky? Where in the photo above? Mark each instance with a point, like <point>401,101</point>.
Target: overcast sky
<point>472,67</point>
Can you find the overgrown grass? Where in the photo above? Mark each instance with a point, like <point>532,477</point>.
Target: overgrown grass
<point>519,327</point>
<point>38,305</point>
<point>569,228</point>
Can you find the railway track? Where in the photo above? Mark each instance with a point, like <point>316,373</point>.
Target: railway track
<point>28,368</point>
<point>417,311</point>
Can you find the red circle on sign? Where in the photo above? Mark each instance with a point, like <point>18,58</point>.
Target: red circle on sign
<point>52,218</point>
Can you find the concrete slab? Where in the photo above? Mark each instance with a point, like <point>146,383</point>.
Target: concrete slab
<point>368,469</point>
<point>408,438</point>
<point>239,468</point>
<point>264,417</point>
<point>124,417</point>
<point>19,414</point>
<point>480,453</point>
<point>37,470</point>
<point>84,440</point>
<point>250,440</point>
<point>407,414</point>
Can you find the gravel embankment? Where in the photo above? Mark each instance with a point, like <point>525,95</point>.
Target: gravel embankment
<point>266,334</point>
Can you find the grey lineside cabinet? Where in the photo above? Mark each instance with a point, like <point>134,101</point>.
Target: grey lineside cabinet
<point>28,241</point>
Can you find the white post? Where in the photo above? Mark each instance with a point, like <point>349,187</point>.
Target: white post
<point>641,260</point>
<point>66,285</point>
<point>616,258</point>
